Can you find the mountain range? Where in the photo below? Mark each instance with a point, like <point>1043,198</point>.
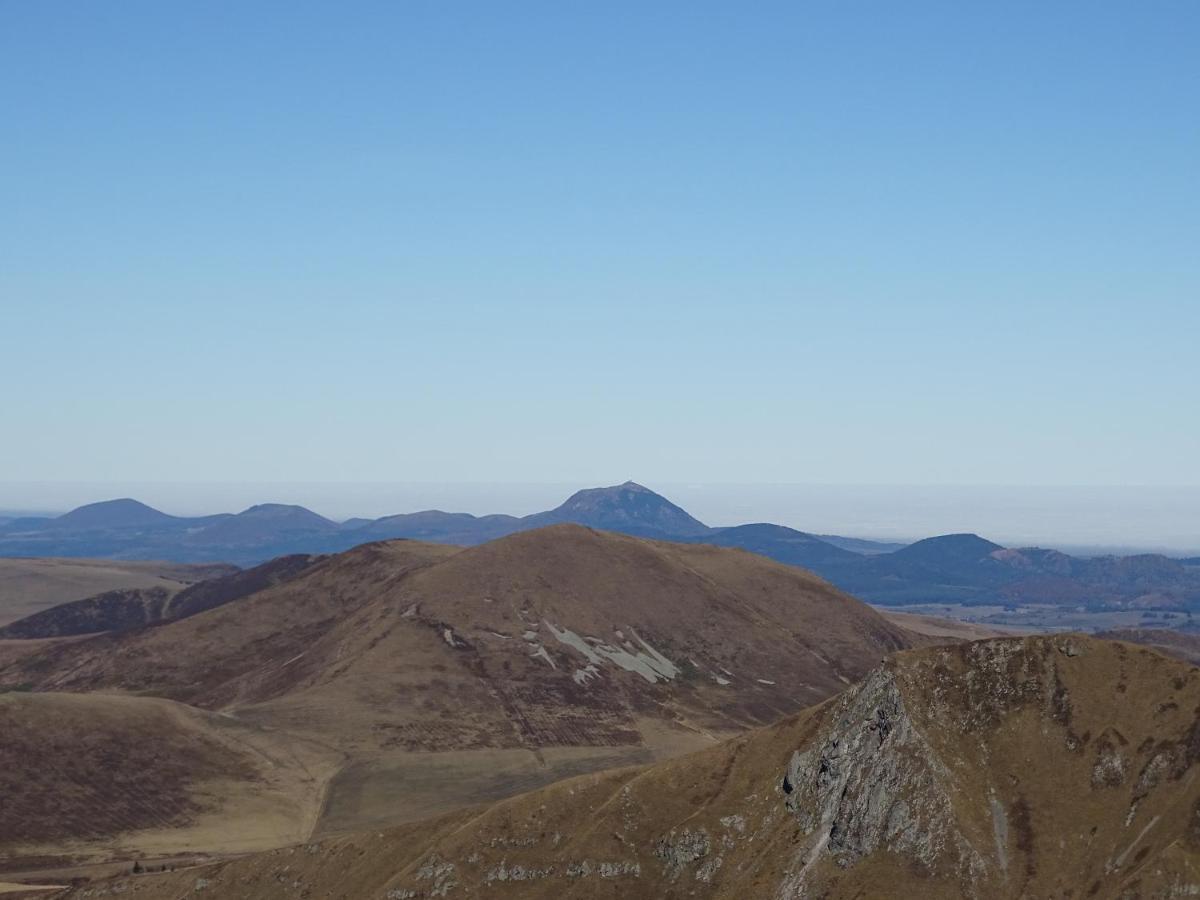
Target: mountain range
<point>569,711</point>
<point>127,528</point>
<point>959,568</point>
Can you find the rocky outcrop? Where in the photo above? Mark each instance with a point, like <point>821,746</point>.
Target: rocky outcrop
<point>677,851</point>
<point>873,782</point>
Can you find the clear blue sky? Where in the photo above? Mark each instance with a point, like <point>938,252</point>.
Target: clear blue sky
<point>919,243</point>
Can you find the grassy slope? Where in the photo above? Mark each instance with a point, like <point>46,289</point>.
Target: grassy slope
<point>91,776</point>
<point>1022,732</point>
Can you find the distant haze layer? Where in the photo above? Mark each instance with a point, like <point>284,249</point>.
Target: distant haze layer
<point>1094,518</point>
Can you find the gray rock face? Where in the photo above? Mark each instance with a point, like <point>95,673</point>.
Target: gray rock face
<point>873,783</point>
<point>677,851</point>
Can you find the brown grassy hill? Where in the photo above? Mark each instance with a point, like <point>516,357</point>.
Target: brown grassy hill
<point>457,676</point>
<point>92,775</point>
<point>28,585</point>
<point>558,636</point>
<point>1037,767</point>
<point>202,658</point>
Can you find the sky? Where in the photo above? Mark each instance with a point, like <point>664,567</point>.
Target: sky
<point>926,244</point>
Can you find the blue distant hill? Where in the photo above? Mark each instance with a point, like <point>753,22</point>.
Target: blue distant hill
<point>955,568</point>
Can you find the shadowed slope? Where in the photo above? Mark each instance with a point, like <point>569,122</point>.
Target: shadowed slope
<point>110,611</point>
<point>31,584</point>
<point>125,609</point>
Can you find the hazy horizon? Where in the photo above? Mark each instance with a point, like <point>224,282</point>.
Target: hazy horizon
<point>1094,518</point>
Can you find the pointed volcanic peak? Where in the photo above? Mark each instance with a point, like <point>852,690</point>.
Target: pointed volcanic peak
<point>109,514</point>
<point>1028,767</point>
<point>628,508</point>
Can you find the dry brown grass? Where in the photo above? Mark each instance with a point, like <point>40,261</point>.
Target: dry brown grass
<point>94,776</point>
<point>1015,724</point>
